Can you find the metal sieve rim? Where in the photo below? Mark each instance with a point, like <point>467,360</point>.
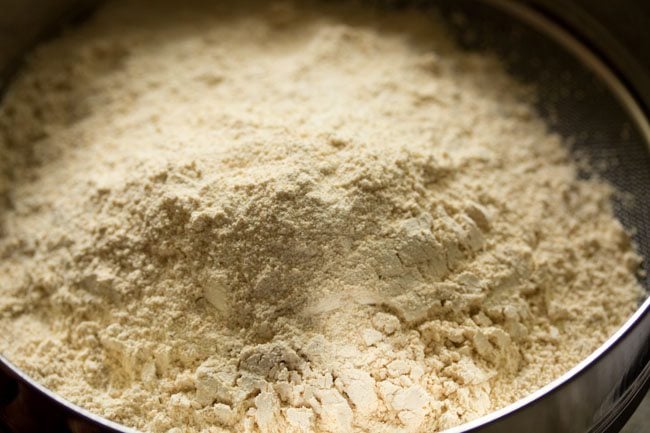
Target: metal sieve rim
<point>538,21</point>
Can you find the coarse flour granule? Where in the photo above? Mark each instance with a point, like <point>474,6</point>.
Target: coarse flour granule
<point>276,217</point>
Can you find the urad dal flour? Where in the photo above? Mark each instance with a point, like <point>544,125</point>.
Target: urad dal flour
<point>277,217</point>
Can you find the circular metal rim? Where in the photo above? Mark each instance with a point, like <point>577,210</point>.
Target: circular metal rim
<point>558,383</point>
<point>541,23</point>
<point>98,419</point>
<point>629,103</point>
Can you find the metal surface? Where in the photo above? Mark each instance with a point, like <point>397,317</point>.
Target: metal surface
<point>594,88</point>
<point>585,96</point>
<point>638,423</point>
<point>22,22</point>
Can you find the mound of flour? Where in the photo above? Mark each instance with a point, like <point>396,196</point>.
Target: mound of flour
<point>278,218</point>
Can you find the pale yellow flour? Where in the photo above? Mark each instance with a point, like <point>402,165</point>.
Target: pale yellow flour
<point>268,217</point>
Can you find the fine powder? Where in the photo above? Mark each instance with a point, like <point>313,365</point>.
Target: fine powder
<point>276,217</point>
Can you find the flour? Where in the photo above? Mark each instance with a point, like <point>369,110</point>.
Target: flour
<point>300,218</point>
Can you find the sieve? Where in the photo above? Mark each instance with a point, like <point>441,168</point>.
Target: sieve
<point>590,63</point>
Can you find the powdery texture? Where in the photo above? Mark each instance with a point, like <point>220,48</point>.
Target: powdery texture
<point>267,218</point>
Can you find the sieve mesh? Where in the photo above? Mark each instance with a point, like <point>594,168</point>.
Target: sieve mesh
<point>576,104</point>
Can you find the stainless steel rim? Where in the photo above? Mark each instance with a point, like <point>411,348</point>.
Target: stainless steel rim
<point>630,104</point>
<point>59,399</point>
